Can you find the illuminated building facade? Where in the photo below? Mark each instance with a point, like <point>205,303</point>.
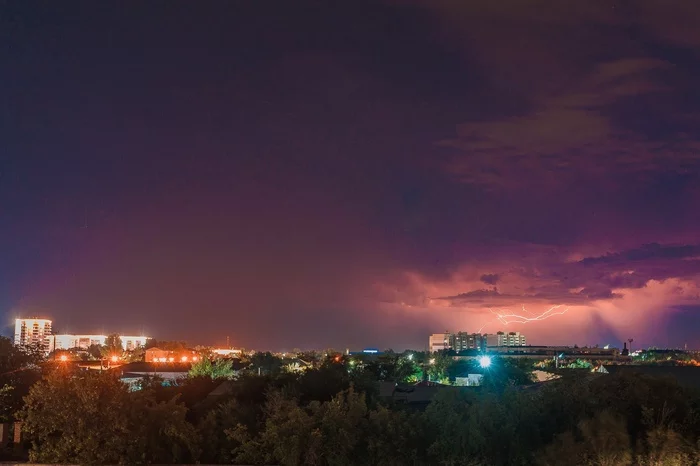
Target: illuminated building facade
<point>30,332</point>
<point>68,341</point>
<point>463,341</point>
<point>226,352</point>
<point>33,332</point>
<point>439,342</point>
<point>506,339</point>
<point>157,355</point>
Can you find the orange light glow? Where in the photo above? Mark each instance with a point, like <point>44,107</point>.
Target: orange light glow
<point>183,359</point>
<point>171,359</point>
<point>115,358</point>
<point>64,358</point>
<point>195,358</point>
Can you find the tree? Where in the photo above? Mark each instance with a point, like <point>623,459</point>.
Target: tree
<point>95,351</point>
<point>602,441</point>
<point>217,446</point>
<point>438,367</point>
<point>167,345</point>
<point>396,438</point>
<point>92,418</point>
<point>507,372</point>
<point>266,363</point>
<point>219,369</point>
<point>322,433</point>
<point>113,346</point>
<point>394,368</point>
<point>19,370</point>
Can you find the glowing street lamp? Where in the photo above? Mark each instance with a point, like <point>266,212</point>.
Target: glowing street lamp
<point>432,361</point>
<point>484,361</point>
<point>115,358</point>
<point>64,358</point>
<point>410,357</point>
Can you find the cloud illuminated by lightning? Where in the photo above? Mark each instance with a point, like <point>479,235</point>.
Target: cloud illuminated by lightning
<point>506,317</point>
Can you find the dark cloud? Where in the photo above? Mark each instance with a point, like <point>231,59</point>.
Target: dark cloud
<point>645,253</point>
<point>588,280</point>
<point>475,295</point>
<point>490,278</point>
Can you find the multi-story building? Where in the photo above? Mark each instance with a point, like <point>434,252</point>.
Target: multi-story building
<point>33,332</point>
<point>439,342</point>
<point>462,341</point>
<point>131,343</point>
<point>505,339</point>
<point>85,341</point>
<point>64,342</point>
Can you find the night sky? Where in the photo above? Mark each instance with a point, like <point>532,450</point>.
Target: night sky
<point>349,174</point>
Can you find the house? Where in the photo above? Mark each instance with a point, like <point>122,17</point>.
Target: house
<point>419,394</point>
<point>134,372</point>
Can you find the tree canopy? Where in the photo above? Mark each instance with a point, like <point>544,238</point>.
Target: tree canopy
<point>92,418</point>
<point>218,369</point>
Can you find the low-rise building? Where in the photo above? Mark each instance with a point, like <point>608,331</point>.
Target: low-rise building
<point>157,355</point>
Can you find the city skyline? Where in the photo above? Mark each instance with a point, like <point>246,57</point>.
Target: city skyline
<point>368,173</point>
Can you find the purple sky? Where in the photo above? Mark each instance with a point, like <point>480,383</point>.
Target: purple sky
<point>349,174</point>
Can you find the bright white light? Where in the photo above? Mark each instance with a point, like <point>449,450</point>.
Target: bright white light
<point>410,357</point>
<point>64,357</point>
<point>484,361</point>
<point>115,358</point>
<point>432,361</point>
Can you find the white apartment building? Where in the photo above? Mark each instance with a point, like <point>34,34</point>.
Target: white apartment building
<point>439,342</point>
<point>67,341</point>
<point>505,339</point>
<point>33,331</point>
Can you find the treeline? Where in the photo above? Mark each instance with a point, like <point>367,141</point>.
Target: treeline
<point>332,415</point>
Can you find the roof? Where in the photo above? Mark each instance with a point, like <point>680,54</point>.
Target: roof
<point>688,376</point>
<point>419,393</point>
<point>135,367</point>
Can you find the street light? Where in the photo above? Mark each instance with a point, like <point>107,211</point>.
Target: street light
<point>64,358</point>
<point>484,361</point>
<point>432,361</point>
<point>410,357</point>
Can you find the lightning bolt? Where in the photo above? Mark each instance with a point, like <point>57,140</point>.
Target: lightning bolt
<point>506,317</point>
